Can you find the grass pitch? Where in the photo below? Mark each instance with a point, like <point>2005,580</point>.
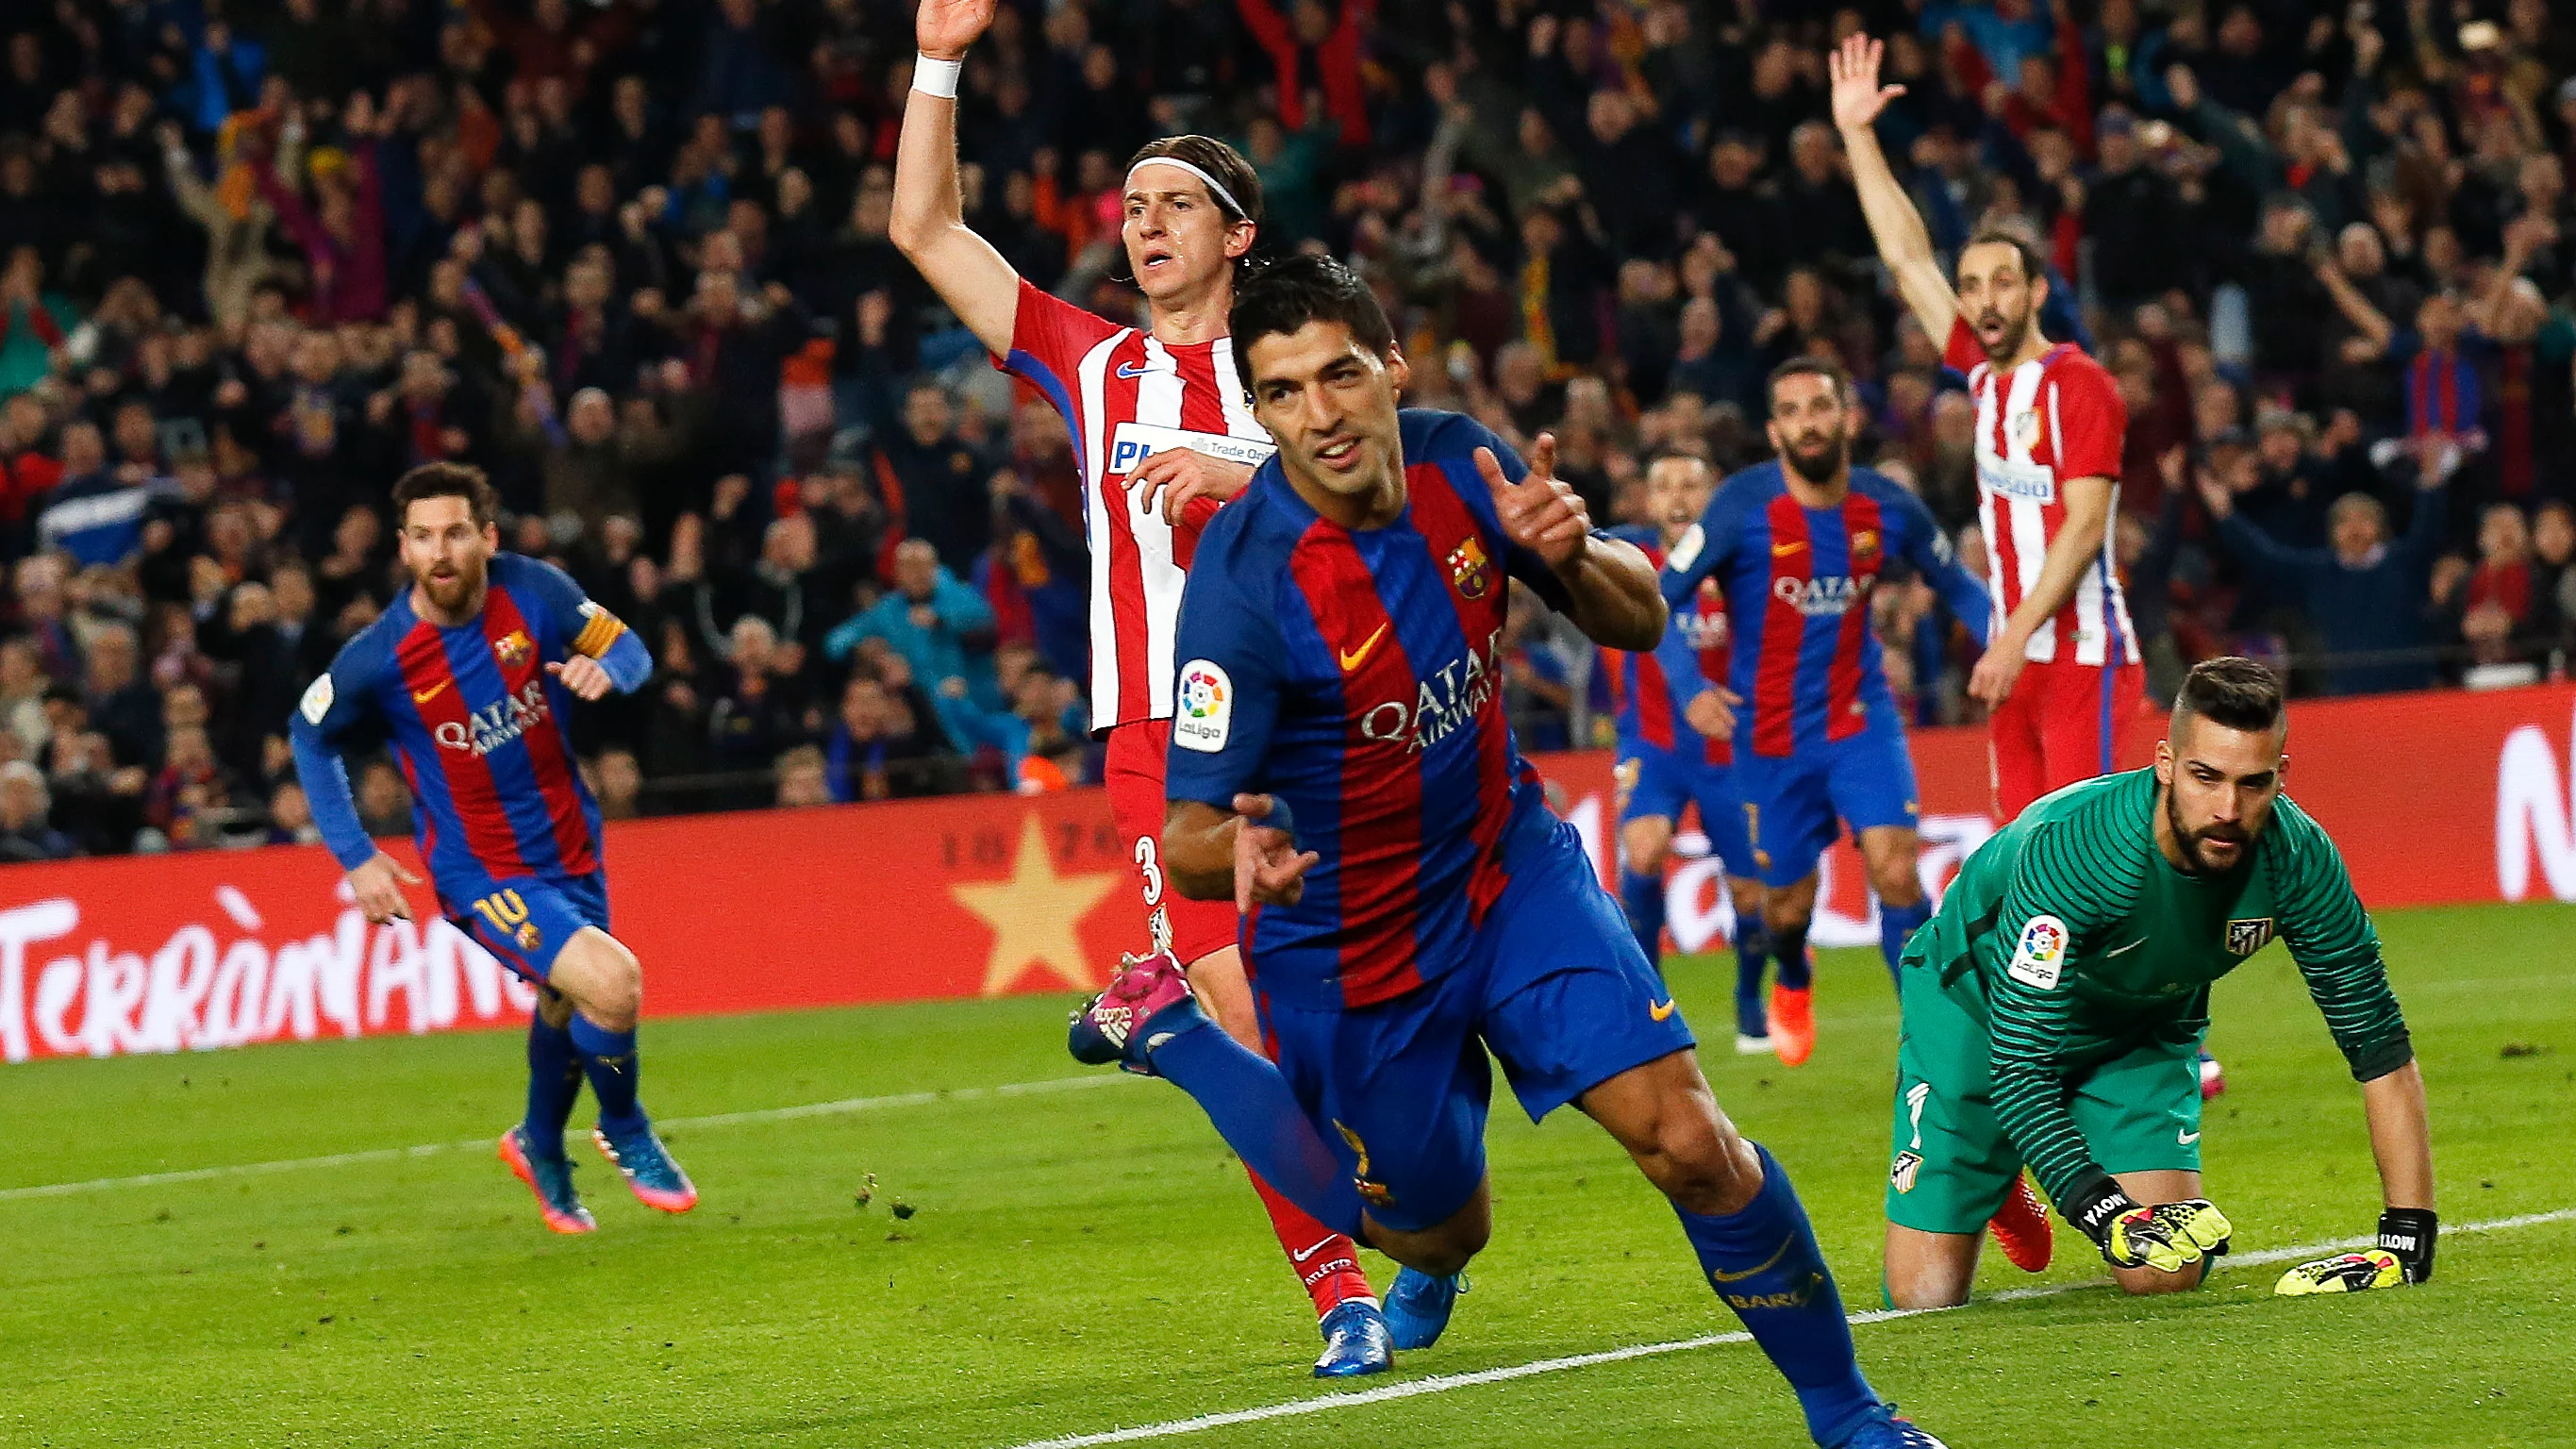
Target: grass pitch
<point>1085,1257</point>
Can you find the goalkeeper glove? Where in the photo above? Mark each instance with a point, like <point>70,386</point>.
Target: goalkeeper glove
<point>2406,1234</point>
<point>2403,1255</point>
<point>2168,1237</point>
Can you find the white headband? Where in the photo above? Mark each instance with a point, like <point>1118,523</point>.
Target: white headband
<point>1215,187</point>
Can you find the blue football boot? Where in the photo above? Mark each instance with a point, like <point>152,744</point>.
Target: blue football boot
<point>1884,1428</point>
<point>1417,1307</point>
<point>1356,1342</point>
<point>655,1179</point>
<point>550,1178</point>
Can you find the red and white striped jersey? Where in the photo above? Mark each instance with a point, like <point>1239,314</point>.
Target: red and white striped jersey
<point>2056,417</point>
<point>1126,396</point>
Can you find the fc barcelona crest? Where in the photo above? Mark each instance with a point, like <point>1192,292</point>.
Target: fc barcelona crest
<point>1470,570</point>
<point>1864,543</point>
<point>2244,938</point>
<point>513,648</point>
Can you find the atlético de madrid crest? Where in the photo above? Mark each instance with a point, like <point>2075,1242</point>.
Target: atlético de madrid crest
<point>2244,938</point>
<point>1469,569</point>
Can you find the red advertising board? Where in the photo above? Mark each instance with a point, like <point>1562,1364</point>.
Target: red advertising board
<point>2433,797</point>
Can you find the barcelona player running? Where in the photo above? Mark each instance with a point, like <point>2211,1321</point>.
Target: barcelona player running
<point>1799,544</point>
<point>1163,436</point>
<point>470,675</point>
<point>1342,770</point>
<point>1672,706</point>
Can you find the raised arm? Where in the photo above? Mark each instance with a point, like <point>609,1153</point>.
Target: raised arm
<point>1605,586</point>
<point>2366,319</point>
<point>1903,245</point>
<point>929,223</point>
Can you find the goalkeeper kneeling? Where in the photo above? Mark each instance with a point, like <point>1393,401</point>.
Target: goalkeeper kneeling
<point>2054,1010</point>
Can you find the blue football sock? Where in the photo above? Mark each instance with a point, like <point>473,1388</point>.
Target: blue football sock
<point>1643,897</point>
<point>1764,1262</point>
<point>1789,949</point>
<point>554,1081</point>
<point>1895,923</point>
<point>1752,956</point>
<point>1244,1095</point>
<point>608,1058</point>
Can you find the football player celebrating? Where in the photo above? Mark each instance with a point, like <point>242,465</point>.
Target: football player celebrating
<point>1162,436</point>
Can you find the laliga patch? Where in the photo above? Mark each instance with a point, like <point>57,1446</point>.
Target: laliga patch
<point>1202,707</point>
<point>2244,938</point>
<point>317,699</point>
<point>1901,1176</point>
<point>2040,957</point>
<point>1132,443</point>
<point>1685,550</point>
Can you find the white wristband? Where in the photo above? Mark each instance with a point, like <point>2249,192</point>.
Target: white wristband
<point>935,77</point>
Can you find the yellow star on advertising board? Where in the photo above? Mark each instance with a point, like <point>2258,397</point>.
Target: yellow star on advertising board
<point>1035,915</point>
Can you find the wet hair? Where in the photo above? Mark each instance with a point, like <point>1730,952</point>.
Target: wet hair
<point>2034,264</point>
<point>1217,159</point>
<point>2231,691</point>
<point>1289,293</point>
<point>1231,170</point>
<point>448,480</point>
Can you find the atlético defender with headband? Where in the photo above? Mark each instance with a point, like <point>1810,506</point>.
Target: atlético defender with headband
<point>1163,437</point>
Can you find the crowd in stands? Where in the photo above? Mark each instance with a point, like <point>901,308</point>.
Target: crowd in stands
<point>259,256</point>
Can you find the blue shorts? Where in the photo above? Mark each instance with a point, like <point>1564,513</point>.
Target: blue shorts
<point>1554,986</point>
<point>524,921</point>
<point>1657,783</point>
<point>1791,805</point>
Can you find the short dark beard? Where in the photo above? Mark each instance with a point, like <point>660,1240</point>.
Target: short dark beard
<point>1835,453</point>
<point>2189,843</point>
<point>2014,337</point>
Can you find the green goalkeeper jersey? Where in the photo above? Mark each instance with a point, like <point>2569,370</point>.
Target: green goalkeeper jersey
<point>2086,943</point>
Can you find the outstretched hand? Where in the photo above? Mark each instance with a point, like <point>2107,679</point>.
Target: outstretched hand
<point>1857,95</point>
<point>944,29</point>
<point>1269,869</point>
<point>1542,512</point>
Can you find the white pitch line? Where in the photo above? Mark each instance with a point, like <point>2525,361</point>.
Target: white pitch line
<point>431,1149</point>
<point>1443,1383</point>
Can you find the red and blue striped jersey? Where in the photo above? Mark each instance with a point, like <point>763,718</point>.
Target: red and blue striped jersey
<point>481,730</point>
<point>1356,675</point>
<point>1798,582</point>
<point>1649,692</point>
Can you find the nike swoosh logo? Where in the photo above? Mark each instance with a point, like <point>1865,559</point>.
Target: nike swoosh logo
<point>1133,369</point>
<point>1720,1275</point>
<point>1783,550</point>
<point>1351,658</point>
<point>2125,950</point>
<point>424,696</point>
<point>1661,1010</point>
<point>1302,1256</point>
<point>2185,1138</point>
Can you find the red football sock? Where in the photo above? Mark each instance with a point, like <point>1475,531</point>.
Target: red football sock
<point>1325,1261</point>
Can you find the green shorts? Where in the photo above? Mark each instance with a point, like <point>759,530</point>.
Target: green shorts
<point>1952,1164</point>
